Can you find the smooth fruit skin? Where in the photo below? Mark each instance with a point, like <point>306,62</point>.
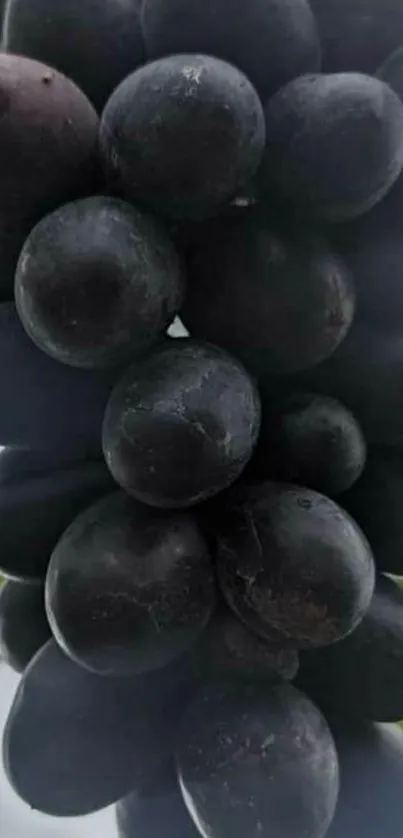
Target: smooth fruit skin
<point>24,628</point>
<point>35,511</point>
<point>376,504</point>
<point>270,41</point>
<point>128,588</point>
<point>257,760</point>
<point>315,130</point>
<point>310,440</point>
<point>48,138</point>
<point>181,424</point>
<point>46,405</point>
<point>371,774</point>
<point>280,301</point>
<point>96,43</point>
<point>206,143</point>
<point>75,742</point>
<point>97,283</point>
<point>361,677</point>
<point>156,810</point>
<point>290,560</point>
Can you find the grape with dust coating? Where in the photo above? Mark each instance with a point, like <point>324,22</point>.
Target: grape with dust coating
<point>316,128</point>
<point>257,760</point>
<point>292,561</point>
<point>75,742</point>
<point>281,302</point>
<point>311,440</point>
<point>361,677</point>
<point>206,142</point>
<point>97,283</point>
<point>181,424</point>
<point>24,628</point>
<point>129,588</point>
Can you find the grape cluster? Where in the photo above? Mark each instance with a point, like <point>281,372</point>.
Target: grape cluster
<point>200,529</point>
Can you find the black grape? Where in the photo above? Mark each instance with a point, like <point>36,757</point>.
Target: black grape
<point>23,625</point>
<point>47,150</point>
<point>45,405</point>
<point>358,34</point>
<point>365,373</point>
<point>361,676</point>
<point>75,742</point>
<point>373,249</point>
<point>181,424</point>
<point>35,512</point>
<point>206,144</point>
<point>117,273</point>
<point>371,775</point>
<point>256,759</point>
<point>316,128</point>
<point>280,301</point>
<point>156,810</point>
<point>269,40</point>
<point>226,647</point>
<point>311,440</point>
<point>129,588</point>
<point>376,502</point>
<point>291,561</point>
<point>96,43</point>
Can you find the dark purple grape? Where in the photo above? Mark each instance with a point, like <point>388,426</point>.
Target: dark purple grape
<point>129,588</point>
<point>358,34</point>
<point>281,302</point>
<point>35,512</point>
<point>97,283</point>
<point>96,43</point>
<point>156,810</point>
<point>45,405</point>
<point>24,628</point>
<point>257,760</point>
<point>310,440</point>
<point>371,774</point>
<point>291,561</point>
<point>47,150</point>
<point>75,742</point>
<point>361,676</point>
<point>206,143</point>
<point>316,128</point>
<point>376,502</point>
<point>181,424</point>
<point>226,647</point>
<point>269,40</point>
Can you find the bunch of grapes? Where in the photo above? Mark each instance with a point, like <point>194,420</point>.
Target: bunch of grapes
<point>200,529</point>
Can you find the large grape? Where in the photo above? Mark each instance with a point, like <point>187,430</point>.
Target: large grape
<point>311,440</point>
<point>376,504</point>
<point>45,405</point>
<point>280,301</point>
<point>269,40</point>
<point>129,588</point>
<point>181,424</point>
<point>316,128</point>
<point>35,512</point>
<point>257,760</point>
<point>75,742</point>
<point>371,777</point>
<point>94,42</point>
<point>97,283</point>
<point>47,149</point>
<point>23,625</point>
<point>291,561</point>
<point>205,144</point>
<point>156,810</point>
<point>361,676</point>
